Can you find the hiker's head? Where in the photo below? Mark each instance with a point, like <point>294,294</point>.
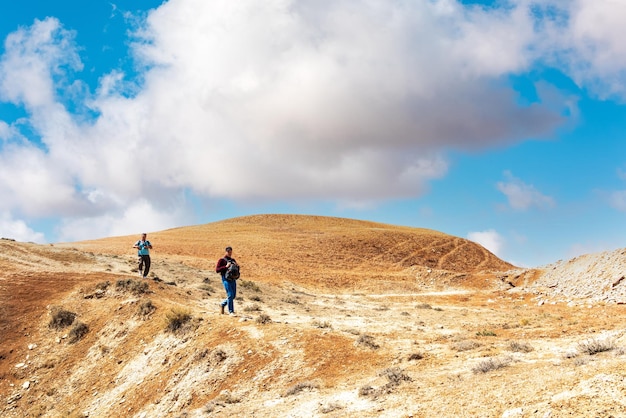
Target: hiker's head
<point>229,250</point>
<point>144,235</point>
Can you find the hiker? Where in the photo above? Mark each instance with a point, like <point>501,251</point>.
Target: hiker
<point>230,285</point>
<point>143,252</point>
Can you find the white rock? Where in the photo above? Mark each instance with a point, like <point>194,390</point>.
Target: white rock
<point>32,346</point>
<point>26,385</point>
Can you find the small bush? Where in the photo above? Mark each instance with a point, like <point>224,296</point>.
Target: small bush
<point>146,307</point>
<point>103,285</point>
<point>263,319</point>
<point>330,407</point>
<point>61,319</point>
<point>416,356</point>
<point>256,298</point>
<point>135,287</point>
<point>491,364</point>
<point>227,397</point>
<point>466,345</point>
<point>252,308</point>
<point>176,318</point>
<point>423,306</point>
<point>485,333</point>
<point>368,341</point>
<point>297,388</point>
<point>595,346</point>
<point>78,331</point>
<point>320,324</point>
<point>291,300</point>
<point>395,376</point>
<point>219,355</point>
<point>520,347</point>
<point>247,284</point>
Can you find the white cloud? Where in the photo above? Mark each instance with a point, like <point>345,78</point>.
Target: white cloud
<point>139,216</point>
<point>591,45</point>
<point>490,239</point>
<point>352,101</point>
<point>18,229</point>
<point>522,196</point>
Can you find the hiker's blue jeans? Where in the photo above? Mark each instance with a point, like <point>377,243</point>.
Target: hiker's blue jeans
<point>231,292</point>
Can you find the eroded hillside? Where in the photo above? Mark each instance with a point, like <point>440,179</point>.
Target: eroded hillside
<point>336,318</point>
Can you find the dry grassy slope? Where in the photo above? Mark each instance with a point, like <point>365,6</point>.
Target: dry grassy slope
<point>386,332</point>
<point>331,253</point>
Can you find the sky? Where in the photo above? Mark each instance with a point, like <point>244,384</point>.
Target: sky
<point>503,122</point>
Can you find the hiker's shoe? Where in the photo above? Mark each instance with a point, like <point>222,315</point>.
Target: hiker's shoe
<point>232,314</point>
<point>222,309</point>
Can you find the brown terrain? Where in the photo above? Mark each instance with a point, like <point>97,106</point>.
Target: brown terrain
<point>335,318</point>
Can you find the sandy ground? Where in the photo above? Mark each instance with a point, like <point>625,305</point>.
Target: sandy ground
<point>335,318</point>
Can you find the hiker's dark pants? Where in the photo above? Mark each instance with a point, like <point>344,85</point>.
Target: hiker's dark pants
<point>144,264</point>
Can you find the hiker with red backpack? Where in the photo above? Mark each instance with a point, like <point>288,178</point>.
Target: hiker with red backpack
<point>228,268</point>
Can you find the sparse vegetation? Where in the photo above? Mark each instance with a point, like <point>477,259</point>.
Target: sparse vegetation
<point>219,355</point>
<point>256,298</point>
<point>520,347</point>
<point>416,356</point>
<point>321,324</point>
<point>299,387</point>
<point>395,376</point>
<point>263,319</point>
<point>491,364</point>
<point>78,331</point>
<point>423,306</point>
<point>249,285</point>
<point>176,318</point>
<point>465,345</point>
<point>596,345</point>
<point>61,319</point>
<point>146,307</point>
<point>486,333</point>
<point>252,308</point>
<point>136,287</point>
<point>291,300</point>
<point>330,407</point>
<point>368,341</point>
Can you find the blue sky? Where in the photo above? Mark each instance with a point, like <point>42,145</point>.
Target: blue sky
<point>499,121</point>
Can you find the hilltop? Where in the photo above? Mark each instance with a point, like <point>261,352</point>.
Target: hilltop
<point>336,318</point>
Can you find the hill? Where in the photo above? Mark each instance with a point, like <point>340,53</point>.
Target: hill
<point>336,318</point>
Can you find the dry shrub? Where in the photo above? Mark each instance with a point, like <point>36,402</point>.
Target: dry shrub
<point>252,308</point>
<point>78,331</point>
<point>368,341</point>
<point>330,407</point>
<point>218,356</point>
<point>136,287</point>
<point>423,306</point>
<point>321,324</point>
<point>145,308</point>
<point>395,376</point>
<point>247,284</point>
<point>491,364</point>
<point>465,345</point>
<point>595,346</point>
<point>520,347</point>
<point>263,319</point>
<point>299,387</point>
<point>176,318</point>
<point>416,356</point>
<point>61,319</point>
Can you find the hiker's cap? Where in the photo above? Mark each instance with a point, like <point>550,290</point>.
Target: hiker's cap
<point>229,248</point>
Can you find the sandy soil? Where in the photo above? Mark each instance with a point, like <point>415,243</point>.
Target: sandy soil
<point>335,318</point>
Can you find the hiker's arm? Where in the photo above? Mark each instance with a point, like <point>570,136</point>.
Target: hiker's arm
<point>221,265</point>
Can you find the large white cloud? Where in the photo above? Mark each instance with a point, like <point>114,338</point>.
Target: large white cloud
<point>352,101</point>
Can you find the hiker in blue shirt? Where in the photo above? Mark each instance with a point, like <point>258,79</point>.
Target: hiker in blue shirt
<point>143,252</point>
